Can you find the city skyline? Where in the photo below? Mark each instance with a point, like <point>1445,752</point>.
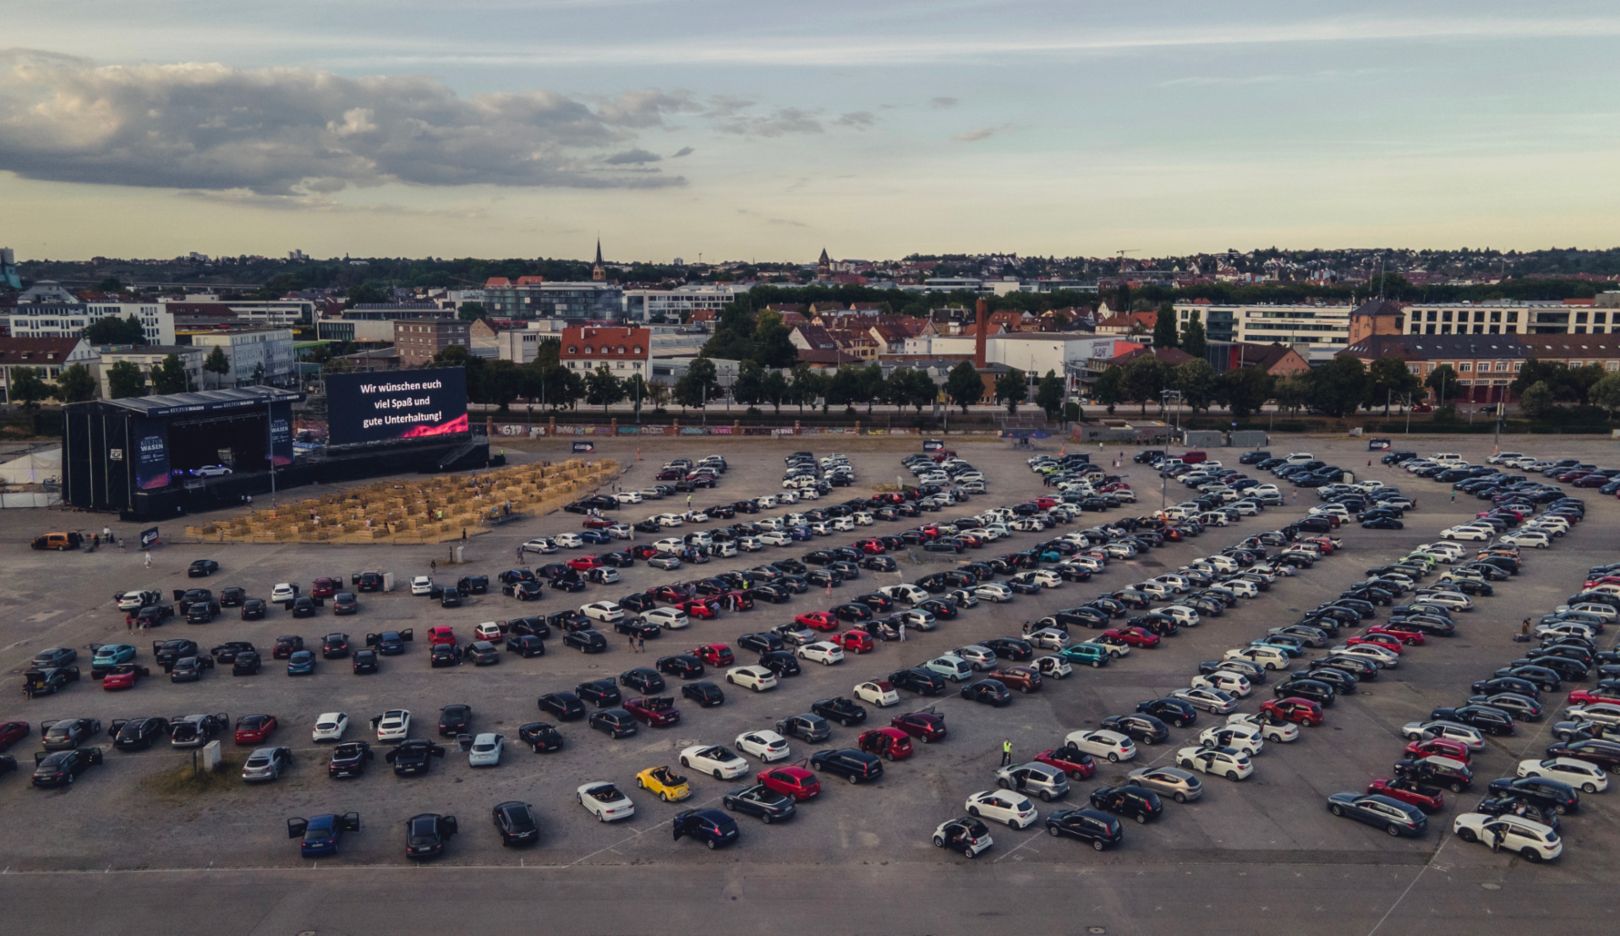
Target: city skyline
<point>713,129</point>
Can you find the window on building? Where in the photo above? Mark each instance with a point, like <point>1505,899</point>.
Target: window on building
<point>1464,367</point>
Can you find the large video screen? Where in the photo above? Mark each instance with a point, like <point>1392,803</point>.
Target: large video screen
<point>388,407</point>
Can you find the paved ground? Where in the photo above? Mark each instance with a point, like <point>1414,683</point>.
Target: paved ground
<point>1258,856</point>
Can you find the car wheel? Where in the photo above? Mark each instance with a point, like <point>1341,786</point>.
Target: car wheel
<point>1113,758</point>
<point>1098,845</point>
<point>939,841</point>
<point>1141,819</point>
<point>924,739</point>
<point>1530,855</point>
<point>973,810</point>
<point>1231,775</point>
<point>1467,835</point>
<point>1457,788</point>
<point>1393,830</point>
<point>1589,787</point>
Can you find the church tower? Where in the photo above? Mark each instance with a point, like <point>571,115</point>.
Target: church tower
<point>598,271</point>
<point>823,265</point>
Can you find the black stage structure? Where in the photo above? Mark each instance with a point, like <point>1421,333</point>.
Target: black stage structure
<point>140,456</point>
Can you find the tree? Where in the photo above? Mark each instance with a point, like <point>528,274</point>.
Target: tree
<point>1244,390</point>
<point>1012,388</point>
<point>750,386</point>
<point>369,292</point>
<point>170,376</point>
<point>1145,380</point>
<point>1337,387</point>
<point>1164,327</point>
<point>774,389</point>
<point>808,386</point>
<point>869,384</point>
<point>845,387</point>
<point>29,388</point>
<point>110,284</point>
<point>217,363</point>
<point>502,382</point>
<point>1049,394</point>
<point>1289,392</point>
<point>470,311</point>
<point>1605,393</point>
<point>1537,400</point>
<point>1192,336</point>
<point>1110,388</point>
<point>113,330</point>
<point>1443,381</point>
<point>124,379</point>
<point>772,348</point>
<point>636,391</point>
<point>1389,379</point>
<point>603,389</point>
<point>908,386</point>
<point>76,384</point>
<point>698,385</point>
<point>963,385</point>
<point>1197,382</point>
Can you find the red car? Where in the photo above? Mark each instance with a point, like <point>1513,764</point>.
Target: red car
<point>254,729</point>
<point>856,641</point>
<point>1409,638</point>
<point>700,608</point>
<point>888,743</point>
<point>11,732</point>
<point>715,654</point>
<point>1293,709</point>
<point>817,620</point>
<point>1133,636</point>
<point>442,634</point>
<point>736,601</point>
<point>123,676</point>
<point>1427,798</point>
<point>1071,760</point>
<point>871,547</point>
<point>584,563</point>
<point>668,593</point>
<point>596,523</point>
<point>1445,747</point>
<point>643,551</point>
<point>926,727</point>
<point>796,782</point>
<point>654,712</point>
<point>1589,696</point>
<point>1389,643</point>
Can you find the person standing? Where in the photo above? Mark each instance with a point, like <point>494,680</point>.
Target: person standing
<point>902,631</point>
<point>1524,629</point>
<point>149,559</point>
<point>1006,752</point>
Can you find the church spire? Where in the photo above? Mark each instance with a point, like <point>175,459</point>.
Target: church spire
<point>598,270</point>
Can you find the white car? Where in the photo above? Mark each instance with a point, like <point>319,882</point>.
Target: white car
<point>628,497</point>
<point>775,538</point>
<point>862,518</point>
<point>1243,588</point>
<point>909,594</point>
<point>283,592</point>
<point>1269,657</point>
<point>1210,700</point>
<point>569,541</point>
<point>1238,737</point>
<point>1270,729</point>
<point>718,761</point>
<point>1100,742</point>
<point>1582,775</point>
<point>1468,533</point>
<point>1225,762</point>
<point>1455,601</point>
<point>671,545</point>
<point>879,693</point>
<point>421,585</point>
<point>1384,657</point>
<point>1453,731</point>
<point>1052,667</point>
<point>919,619</point>
<point>822,651</point>
<point>329,726</point>
<point>540,545</point>
<point>667,618</point>
<point>950,666</point>
<point>669,521</point>
<point>488,630</point>
<point>486,750</point>
<point>764,744</point>
<point>1014,809</point>
<point>210,471</point>
<point>605,801</point>
<point>993,591</point>
<point>1049,638</point>
<point>1226,681</point>
<point>757,678</point>
<point>393,725</point>
<point>1525,837</point>
<point>1532,538</point>
<point>606,612</point>
<point>1183,615</point>
<point>618,530</point>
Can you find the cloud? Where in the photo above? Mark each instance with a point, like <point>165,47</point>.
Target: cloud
<point>943,103</point>
<point>779,122</point>
<point>683,151</point>
<point>980,134</point>
<point>768,219</point>
<point>859,120</point>
<point>292,132</point>
<point>646,108</point>
<point>631,157</point>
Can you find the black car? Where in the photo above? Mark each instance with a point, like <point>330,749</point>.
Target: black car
<point>706,694</point>
<point>525,645</point>
<point>1139,727</point>
<point>780,662</point>
<point>1554,794</point>
<point>444,655</point>
<point>1175,711</point>
<point>760,642</point>
<point>427,834</point>
<point>246,663</point>
<point>165,652</point>
<point>988,691</point>
<point>806,727</point>
<point>516,823</point>
<point>1305,687</point>
<point>759,800</point>
<point>1600,751</point>
<point>1010,648</point>
<point>565,705</point>
<point>349,759</point>
<point>542,737</point>
<point>588,640</point>
<point>138,734</point>
<point>599,692</point>
<point>60,768</point>
<point>918,680</point>
<point>201,568</point>
<point>1130,800</point>
<point>412,757</point>
<point>455,719</point>
<point>304,606</point>
<point>854,766</point>
<point>254,609</point>
<point>842,710</point>
<point>1492,721</point>
<point>189,668</point>
<point>613,722</point>
<point>335,646</point>
<point>642,679</point>
<point>712,827</point>
<point>1092,826</point>
<point>365,662</point>
<point>473,584</point>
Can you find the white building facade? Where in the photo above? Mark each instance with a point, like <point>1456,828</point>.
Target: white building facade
<point>678,304</point>
<point>1509,317</point>
<point>1325,326</point>
<point>69,320</point>
<point>262,355</point>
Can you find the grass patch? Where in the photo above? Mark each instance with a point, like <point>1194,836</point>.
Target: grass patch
<point>179,782</point>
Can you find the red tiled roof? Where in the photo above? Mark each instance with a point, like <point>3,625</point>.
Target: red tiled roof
<point>604,343</point>
<point>35,352</point>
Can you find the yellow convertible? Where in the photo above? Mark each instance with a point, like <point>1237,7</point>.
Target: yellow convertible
<point>664,783</point>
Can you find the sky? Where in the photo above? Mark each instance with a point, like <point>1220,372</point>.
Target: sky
<point>748,130</point>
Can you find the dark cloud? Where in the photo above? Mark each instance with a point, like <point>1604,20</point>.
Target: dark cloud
<point>683,151</point>
<point>943,103</point>
<point>296,132</point>
<point>631,157</point>
<point>859,120</point>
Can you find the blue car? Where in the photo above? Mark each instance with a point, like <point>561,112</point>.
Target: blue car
<point>800,533</point>
<point>1375,809</point>
<point>301,663</point>
<point>107,656</point>
<point>595,537</point>
<point>320,835</point>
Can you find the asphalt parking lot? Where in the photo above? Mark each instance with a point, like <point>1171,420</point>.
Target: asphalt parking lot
<point>1258,856</point>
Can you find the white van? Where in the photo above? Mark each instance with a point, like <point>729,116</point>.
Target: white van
<point>1298,458</point>
<point>1447,458</point>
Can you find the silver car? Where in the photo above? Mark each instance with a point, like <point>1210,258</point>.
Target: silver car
<point>265,764</point>
<point>1183,786</point>
<point>1042,780</point>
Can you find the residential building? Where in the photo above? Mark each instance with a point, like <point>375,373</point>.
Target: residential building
<point>1512,317</point>
<point>1375,317</point>
<point>1138,326</point>
<point>147,357</point>
<point>69,320</point>
<point>47,292</point>
<point>531,297</point>
<point>259,356</point>
<point>373,322</point>
<point>274,313</point>
<point>1487,364</point>
<point>46,356</point>
<point>420,340</point>
<point>626,352</point>
<point>681,304</point>
<point>481,336</point>
<point>1317,325</point>
<point>1275,359</point>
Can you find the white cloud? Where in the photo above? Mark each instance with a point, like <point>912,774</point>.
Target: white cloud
<point>297,132</point>
<point>979,134</point>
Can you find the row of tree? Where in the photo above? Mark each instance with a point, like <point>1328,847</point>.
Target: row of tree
<point>77,383</point>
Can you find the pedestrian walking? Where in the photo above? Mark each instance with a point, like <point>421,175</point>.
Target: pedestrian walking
<point>149,560</point>
<point>1006,753</point>
<point>1524,629</point>
<point>630,641</point>
<point>129,622</point>
<point>1454,497</point>
<point>902,631</point>
<point>433,565</point>
<point>464,534</point>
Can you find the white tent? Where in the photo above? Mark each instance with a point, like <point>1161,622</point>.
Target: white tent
<point>33,468</point>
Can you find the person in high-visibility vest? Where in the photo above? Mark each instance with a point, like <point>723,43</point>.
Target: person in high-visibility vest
<point>1006,753</point>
